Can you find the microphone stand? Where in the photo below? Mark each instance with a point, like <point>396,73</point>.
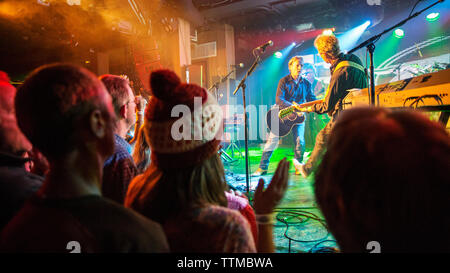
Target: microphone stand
<point>216,84</point>
<point>242,84</point>
<point>370,44</point>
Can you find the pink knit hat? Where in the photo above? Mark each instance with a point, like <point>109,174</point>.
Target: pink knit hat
<point>183,122</point>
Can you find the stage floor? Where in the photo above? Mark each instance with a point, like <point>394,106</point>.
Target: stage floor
<point>299,225</point>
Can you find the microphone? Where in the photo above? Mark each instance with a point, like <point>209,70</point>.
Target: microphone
<point>237,65</point>
<point>263,47</point>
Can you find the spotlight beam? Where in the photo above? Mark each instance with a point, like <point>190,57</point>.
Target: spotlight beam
<point>349,38</point>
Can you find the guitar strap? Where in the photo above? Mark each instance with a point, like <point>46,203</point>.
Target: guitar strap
<point>345,64</point>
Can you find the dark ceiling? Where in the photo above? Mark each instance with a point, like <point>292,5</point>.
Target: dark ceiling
<point>287,14</point>
<point>62,29</point>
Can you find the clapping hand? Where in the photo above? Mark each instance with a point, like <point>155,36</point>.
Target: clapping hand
<point>141,102</point>
<point>266,200</point>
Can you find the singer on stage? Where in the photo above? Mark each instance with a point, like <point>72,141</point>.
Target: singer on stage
<point>291,88</point>
<point>347,72</point>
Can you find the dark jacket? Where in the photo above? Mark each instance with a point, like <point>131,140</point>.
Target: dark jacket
<point>16,185</point>
<point>342,80</point>
<point>288,91</point>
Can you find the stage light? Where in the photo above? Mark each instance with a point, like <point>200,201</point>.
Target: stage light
<point>278,54</point>
<point>433,16</point>
<point>293,44</point>
<point>399,33</point>
<point>74,2</point>
<point>367,23</point>
<point>328,31</point>
<point>43,2</point>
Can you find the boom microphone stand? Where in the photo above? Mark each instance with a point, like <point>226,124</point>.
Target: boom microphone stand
<point>242,84</point>
<point>370,44</point>
<point>216,84</point>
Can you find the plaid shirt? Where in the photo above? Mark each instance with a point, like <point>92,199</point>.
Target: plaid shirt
<point>118,171</point>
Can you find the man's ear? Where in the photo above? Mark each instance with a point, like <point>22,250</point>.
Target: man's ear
<point>98,124</point>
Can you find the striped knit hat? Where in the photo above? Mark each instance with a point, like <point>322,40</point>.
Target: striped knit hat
<point>183,122</point>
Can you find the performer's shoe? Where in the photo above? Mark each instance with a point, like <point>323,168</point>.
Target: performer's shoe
<point>259,172</point>
<point>300,169</point>
<point>297,166</point>
<point>296,163</point>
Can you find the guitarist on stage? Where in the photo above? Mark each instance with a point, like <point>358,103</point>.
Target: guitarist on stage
<point>347,72</point>
<point>291,88</point>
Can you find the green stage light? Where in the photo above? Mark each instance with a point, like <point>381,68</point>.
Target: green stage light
<point>278,54</point>
<point>399,33</point>
<point>328,31</point>
<point>433,16</point>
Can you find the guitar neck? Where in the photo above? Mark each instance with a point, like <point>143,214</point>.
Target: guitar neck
<point>286,111</point>
<point>309,103</point>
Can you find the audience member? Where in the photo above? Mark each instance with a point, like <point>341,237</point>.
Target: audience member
<point>120,168</point>
<point>66,112</point>
<point>317,85</point>
<point>384,178</point>
<point>16,183</point>
<point>184,187</point>
<point>236,201</point>
<point>239,202</point>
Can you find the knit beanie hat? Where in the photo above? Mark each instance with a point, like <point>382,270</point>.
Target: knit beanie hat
<point>183,122</point>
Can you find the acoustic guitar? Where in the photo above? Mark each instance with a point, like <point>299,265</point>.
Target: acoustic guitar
<point>281,121</point>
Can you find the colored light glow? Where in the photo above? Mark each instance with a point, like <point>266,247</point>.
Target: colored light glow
<point>399,33</point>
<point>278,54</point>
<point>293,43</point>
<point>433,16</point>
<point>350,38</point>
<point>327,32</point>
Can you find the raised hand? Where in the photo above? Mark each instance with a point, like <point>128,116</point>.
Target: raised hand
<point>141,102</point>
<point>266,200</point>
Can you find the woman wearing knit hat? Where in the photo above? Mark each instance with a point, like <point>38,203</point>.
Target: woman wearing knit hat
<point>184,187</point>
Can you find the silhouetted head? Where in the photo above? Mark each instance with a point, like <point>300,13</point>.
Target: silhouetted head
<point>12,139</point>
<point>62,107</point>
<point>384,178</point>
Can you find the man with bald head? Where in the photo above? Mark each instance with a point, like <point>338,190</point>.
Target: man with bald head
<point>66,112</point>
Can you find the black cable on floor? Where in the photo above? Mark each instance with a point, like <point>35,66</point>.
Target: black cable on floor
<point>301,217</point>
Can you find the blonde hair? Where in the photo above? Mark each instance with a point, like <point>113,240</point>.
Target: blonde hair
<point>169,192</point>
<point>141,151</point>
<point>327,44</point>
